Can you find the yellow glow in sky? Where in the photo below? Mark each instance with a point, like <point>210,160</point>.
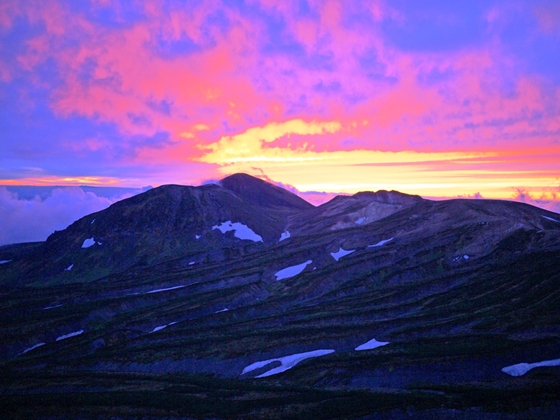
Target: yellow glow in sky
<point>423,173</point>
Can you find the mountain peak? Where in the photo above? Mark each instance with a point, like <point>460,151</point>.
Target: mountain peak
<point>389,197</point>
<point>262,193</point>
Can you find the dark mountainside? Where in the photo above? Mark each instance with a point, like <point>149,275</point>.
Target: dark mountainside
<point>161,306</point>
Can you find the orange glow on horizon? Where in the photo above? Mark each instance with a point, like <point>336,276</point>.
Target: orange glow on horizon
<point>63,181</point>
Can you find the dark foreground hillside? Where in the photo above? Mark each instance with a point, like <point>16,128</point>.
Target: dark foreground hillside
<point>242,301</point>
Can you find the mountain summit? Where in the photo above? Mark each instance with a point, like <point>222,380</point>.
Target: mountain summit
<point>243,295</point>
<point>262,193</point>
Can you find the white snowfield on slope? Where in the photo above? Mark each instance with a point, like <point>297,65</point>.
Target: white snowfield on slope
<point>287,362</point>
<point>380,243</point>
<point>341,253</point>
<point>521,369</point>
<point>371,344</point>
<point>284,235</point>
<point>241,231</point>
<point>69,335</point>
<point>292,271</point>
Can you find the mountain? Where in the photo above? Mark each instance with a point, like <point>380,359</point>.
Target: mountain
<point>163,223</point>
<point>263,194</point>
<point>349,211</point>
<point>239,301</point>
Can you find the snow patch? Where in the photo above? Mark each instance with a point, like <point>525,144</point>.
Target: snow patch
<point>341,253</point>
<point>285,235</point>
<point>161,327</point>
<point>241,231</point>
<point>50,307</point>
<point>4,261</point>
<point>197,236</point>
<point>222,310</point>
<point>371,344</point>
<point>88,242</point>
<point>92,222</point>
<point>69,267</point>
<point>550,218</point>
<point>380,243</point>
<point>156,329</point>
<point>292,271</point>
<point>360,220</point>
<point>164,290</point>
<point>522,368</point>
<point>72,334</point>
<point>466,257</point>
<point>191,263</point>
<point>33,347</point>
<point>287,362</point>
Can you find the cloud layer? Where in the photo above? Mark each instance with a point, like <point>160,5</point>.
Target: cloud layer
<point>34,220</point>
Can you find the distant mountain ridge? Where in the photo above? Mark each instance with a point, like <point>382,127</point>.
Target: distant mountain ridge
<point>174,221</point>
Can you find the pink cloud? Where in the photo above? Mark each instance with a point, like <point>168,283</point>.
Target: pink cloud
<point>230,83</point>
<point>548,16</point>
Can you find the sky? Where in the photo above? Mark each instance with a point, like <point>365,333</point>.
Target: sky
<point>428,97</point>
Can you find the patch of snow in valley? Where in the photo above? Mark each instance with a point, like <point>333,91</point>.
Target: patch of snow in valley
<point>341,253</point>
<point>4,261</point>
<point>371,344</point>
<point>191,263</point>
<point>33,347</point>
<point>156,329</point>
<point>164,290</point>
<point>360,220</point>
<point>465,257</point>
<point>72,334</point>
<point>241,231</point>
<point>285,235</point>
<point>69,267</point>
<point>197,236</point>
<point>88,242</point>
<point>292,271</point>
<point>287,362</point>
<point>522,368</point>
<point>550,218</point>
<point>222,310</point>
<point>50,307</point>
<point>92,222</point>
<point>380,243</point>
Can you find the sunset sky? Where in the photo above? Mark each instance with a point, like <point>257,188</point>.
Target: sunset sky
<point>438,98</point>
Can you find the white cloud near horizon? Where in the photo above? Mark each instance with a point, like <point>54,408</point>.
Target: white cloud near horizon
<point>34,220</point>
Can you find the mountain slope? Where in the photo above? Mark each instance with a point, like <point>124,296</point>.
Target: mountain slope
<point>162,223</point>
<point>450,292</point>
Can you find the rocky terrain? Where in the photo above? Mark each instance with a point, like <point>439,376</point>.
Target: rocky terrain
<point>241,300</point>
